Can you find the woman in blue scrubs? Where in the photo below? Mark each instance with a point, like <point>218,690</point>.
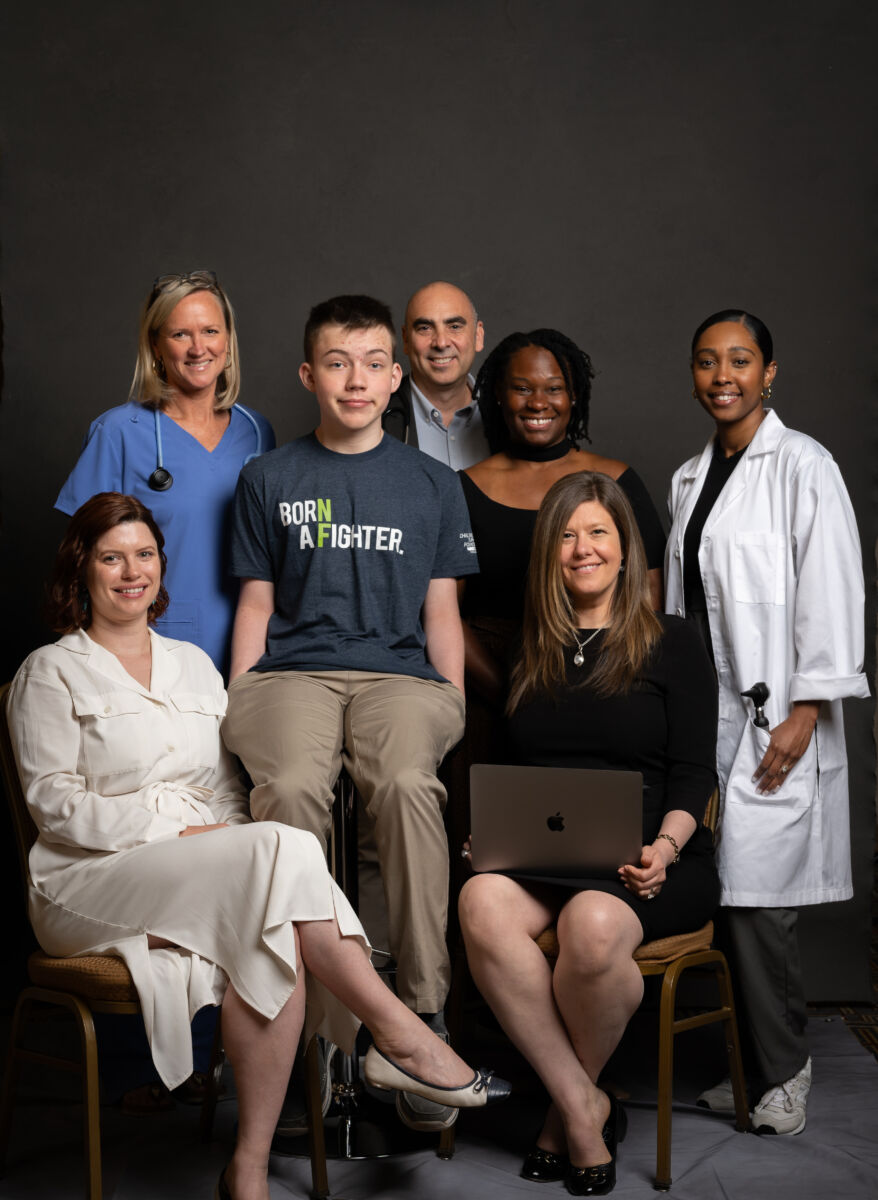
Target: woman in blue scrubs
<point>179,445</point>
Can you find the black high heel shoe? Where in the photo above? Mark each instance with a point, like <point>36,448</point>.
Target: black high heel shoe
<point>600,1180</point>
<point>542,1166</point>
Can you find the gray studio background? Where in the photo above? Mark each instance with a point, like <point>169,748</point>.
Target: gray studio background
<point>616,170</point>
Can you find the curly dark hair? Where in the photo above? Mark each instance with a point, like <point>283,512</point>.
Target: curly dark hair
<point>575,366</point>
<point>67,606</point>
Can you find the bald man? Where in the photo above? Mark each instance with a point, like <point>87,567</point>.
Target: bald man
<point>433,408</point>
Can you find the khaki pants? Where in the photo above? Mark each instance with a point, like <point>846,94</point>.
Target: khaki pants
<point>294,731</point>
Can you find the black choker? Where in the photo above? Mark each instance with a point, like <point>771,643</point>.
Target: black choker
<point>530,453</point>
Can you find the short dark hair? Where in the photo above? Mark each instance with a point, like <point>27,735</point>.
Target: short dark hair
<point>575,366</point>
<point>351,312</point>
<point>757,329</point>
<point>67,607</point>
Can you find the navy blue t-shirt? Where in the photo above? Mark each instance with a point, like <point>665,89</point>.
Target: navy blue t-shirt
<point>350,542</point>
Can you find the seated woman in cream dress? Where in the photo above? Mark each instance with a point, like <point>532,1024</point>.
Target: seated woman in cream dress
<point>146,850</point>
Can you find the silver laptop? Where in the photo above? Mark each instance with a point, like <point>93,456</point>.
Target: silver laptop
<point>555,820</point>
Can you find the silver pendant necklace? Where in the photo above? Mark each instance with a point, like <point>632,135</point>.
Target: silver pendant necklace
<point>579,657</point>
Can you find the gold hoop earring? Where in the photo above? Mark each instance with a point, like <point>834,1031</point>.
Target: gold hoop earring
<point>158,368</point>
<point>766,395</point>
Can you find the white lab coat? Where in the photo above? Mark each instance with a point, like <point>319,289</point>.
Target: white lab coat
<point>782,570</point>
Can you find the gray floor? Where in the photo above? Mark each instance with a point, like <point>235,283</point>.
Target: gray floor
<point>837,1156</point>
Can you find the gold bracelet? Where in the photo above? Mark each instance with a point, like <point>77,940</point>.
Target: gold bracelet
<point>673,842</point>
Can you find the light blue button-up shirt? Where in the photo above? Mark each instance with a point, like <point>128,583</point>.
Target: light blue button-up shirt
<point>459,444</point>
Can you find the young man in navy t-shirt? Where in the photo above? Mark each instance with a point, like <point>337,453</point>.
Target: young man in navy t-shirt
<point>347,645</point>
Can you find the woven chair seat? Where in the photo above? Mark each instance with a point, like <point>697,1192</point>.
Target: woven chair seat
<point>662,950</point>
<point>92,976</point>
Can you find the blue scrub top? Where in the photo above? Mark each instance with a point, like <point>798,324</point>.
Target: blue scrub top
<point>194,514</point>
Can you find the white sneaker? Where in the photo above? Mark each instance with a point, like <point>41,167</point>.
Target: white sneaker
<point>783,1108</point>
<point>719,1098</point>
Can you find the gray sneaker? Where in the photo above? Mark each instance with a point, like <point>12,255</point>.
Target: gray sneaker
<point>720,1098</point>
<point>783,1108</point>
<point>426,1115</point>
<point>293,1120</point>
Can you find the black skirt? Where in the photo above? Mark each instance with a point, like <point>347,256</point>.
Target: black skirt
<point>686,901</point>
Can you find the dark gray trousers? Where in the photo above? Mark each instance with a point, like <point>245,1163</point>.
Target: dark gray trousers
<point>763,947</point>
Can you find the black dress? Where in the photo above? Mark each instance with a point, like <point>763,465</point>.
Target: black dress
<point>503,536</point>
<point>665,727</point>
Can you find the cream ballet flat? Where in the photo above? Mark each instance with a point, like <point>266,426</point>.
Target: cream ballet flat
<point>482,1089</point>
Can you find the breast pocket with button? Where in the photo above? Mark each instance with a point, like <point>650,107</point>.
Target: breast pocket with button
<point>759,567</point>
<point>111,750</point>
<point>198,718</point>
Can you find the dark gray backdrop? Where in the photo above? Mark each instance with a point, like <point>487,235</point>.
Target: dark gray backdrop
<point>617,170</point>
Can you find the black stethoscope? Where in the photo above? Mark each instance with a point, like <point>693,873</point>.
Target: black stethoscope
<point>161,478</point>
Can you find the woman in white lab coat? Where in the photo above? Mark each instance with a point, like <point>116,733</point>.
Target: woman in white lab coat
<point>764,556</point>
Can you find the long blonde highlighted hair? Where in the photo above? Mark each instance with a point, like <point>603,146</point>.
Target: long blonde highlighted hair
<point>549,618</point>
<point>149,387</point>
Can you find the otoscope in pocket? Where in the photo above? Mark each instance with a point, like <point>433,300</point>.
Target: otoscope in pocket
<point>759,694</point>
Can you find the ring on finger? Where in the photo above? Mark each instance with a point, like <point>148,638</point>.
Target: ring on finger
<point>650,895</point>
<point>785,769</point>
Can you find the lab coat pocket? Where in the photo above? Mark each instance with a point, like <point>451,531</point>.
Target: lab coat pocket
<point>760,567</point>
<point>797,790</point>
<point>763,838</point>
<point>107,722</point>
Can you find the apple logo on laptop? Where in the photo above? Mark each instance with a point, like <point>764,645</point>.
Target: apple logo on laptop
<point>555,823</point>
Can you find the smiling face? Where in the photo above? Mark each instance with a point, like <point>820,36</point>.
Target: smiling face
<point>123,575</point>
<point>590,559</point>
<point>193,345</point>
<point>441,336</point>
<point>730,375</point>
<point>534,401</point>
<point>352,374</point>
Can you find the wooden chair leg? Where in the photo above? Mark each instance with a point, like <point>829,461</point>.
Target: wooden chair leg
<point>667,1009</point>
<point>733,1047</point>
<point>91,1098</point>
<point>316,1140</point>
<point>446,1143</point>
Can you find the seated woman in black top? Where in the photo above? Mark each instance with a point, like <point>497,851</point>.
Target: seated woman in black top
<point>603,682</point>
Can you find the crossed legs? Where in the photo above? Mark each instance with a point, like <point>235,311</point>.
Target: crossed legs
<point>568,1022</point>
<point>261,1051</point>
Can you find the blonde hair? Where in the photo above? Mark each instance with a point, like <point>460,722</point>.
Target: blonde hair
<point>549,618</point>
<point>149,386</point>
